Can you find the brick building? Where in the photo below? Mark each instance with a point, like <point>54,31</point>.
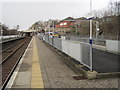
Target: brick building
<point>65,25</point>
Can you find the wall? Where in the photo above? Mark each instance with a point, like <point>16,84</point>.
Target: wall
<point>113,45</point>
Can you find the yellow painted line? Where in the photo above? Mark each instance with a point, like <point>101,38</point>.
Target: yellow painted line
<point>36,81</point>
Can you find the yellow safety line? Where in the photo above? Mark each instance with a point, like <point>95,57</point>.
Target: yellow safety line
<point>36,81</point>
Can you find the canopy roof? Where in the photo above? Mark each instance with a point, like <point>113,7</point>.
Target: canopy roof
<point>27,31</point>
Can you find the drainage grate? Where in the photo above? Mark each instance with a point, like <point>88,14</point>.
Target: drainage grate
<point>79,77</point>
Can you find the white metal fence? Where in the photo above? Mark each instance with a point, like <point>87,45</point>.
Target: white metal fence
<point>77,50</point>
<point>97,41</point>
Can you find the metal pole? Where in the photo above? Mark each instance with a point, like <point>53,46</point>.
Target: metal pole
<point>49,32</point>
<point>97,27</point>
<point>49,29</point>
<point>90,37</point>
<point>53,28</point>
<point>9,33</point>
<point>76,29</point>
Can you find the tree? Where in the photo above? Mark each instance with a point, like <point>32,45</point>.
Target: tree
<point>109,20</point>
<point>5,29</point>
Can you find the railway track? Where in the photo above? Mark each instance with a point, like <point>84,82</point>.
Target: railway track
<point>11,59</point>
<point>10,48</point>
<point>10,44</point>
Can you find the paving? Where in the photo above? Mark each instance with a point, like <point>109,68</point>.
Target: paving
<point>55,73</point>
<point>23,78</point>
<point>36,80</point>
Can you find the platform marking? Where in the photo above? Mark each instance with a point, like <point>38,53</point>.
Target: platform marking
<point>36,81</point>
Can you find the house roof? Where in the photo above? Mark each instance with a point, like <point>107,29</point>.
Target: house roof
<point>68,19</point>
<point>74,19</point>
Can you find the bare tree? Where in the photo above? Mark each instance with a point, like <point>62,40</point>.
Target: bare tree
<point>109,20</point>
<point>5,29</point>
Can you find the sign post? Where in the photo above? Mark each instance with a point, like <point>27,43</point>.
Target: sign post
<point>90,44</point>
<point>90,37</point>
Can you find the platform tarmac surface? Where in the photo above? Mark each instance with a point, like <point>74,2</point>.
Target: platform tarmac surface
<point>53,72</point>
<point>105,62</point>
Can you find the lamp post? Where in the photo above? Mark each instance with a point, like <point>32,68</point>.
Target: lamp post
<point>97,29</point>
<point>76,25</point>
<point>90,37</point>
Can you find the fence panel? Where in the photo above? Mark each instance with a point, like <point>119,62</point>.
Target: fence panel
<point>85,53</point>
<point>74,50</point>
<point>78,51</point>
<point>65,46</point>
<point>51,41</point>
<point>43,38</point>
<point>58,43</point>
<point>46,39</point>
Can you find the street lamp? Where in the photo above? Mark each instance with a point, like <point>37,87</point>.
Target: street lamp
<point>90,37</point>
<point>97,29</point>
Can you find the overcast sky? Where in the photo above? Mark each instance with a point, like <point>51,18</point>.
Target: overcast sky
<point>26,13</point>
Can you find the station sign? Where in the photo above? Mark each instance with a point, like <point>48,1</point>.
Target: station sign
<point>90,15</point>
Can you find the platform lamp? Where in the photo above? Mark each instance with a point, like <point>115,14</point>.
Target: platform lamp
<point>97,29</point>
<point>90,41</point>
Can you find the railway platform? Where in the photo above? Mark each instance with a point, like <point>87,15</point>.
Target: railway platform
<point>40,67</point>
<point>10,39</point>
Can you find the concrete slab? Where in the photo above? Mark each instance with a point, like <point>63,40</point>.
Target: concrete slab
<point>21,86</point>
<point>23,78</point>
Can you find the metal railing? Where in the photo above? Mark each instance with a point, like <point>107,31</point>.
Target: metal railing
<point>97,41</point>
